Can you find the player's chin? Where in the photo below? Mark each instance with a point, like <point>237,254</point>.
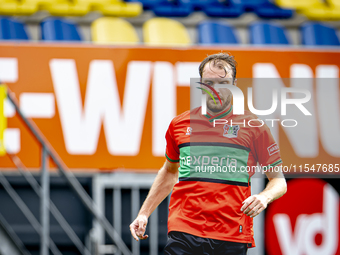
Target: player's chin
<point>215,108</point>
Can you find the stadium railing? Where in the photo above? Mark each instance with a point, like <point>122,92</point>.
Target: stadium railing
<point>42,227</point>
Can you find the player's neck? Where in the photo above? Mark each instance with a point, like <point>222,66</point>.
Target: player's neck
<point>211,113</point>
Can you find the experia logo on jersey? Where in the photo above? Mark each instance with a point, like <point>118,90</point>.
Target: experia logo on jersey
<point>238,104</point>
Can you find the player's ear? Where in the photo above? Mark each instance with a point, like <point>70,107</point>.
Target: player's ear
<point>235,82</point>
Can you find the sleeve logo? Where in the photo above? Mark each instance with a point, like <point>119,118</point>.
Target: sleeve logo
<point>272,149</point>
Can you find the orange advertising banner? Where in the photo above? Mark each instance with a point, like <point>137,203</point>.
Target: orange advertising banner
<point>104,107</point>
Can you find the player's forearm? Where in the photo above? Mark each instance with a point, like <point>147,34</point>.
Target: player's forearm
<point>160,189</point>
<point>275,188</point>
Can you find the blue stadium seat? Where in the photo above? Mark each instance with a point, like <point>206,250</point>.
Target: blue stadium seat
<point>147,4</point>
<point>166,8</point>
<point>268,33</point>
<point>249,5</point>
<point>271,11</point>
<point>199,5</point>
<point>12,29</point>
<point>172,9</point>
<point>264,9</point>
<point>224,9</point>
<point>319,34</point>
<point>53,29</point>
<point>211,32</point>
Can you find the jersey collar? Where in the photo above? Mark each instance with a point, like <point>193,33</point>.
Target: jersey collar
<point>223,114</point>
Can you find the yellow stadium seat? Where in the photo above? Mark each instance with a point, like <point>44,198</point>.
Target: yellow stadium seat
<point>122,9</point>
<point>334,3</point>
<point>314,9</point>
<point>114,7</point>
<point>13,7</point>
<point>165,32</point>
<point>94,4</point>
<point>322,13</point>
<point>298,4</point>
<point>28,7</point>
<point>66,8</point>
<point>41,3</point>
<point>109,30</point>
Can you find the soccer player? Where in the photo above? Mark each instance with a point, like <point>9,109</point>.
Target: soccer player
<point>207,169</point>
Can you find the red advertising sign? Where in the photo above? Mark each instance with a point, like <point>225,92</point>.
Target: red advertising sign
<point>305,221</point>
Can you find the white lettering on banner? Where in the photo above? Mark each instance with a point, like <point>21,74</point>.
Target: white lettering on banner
<point>163,104</point>
<point>12,140</point>
<point>37,105</point>
<point>9,74</point>
<point>303,140</point>
<point>8,70</point>
<point>327,94</point>
<point>123,127</point>
<point>302,241</point>
<point>9,109</point>
<point>185,71</point>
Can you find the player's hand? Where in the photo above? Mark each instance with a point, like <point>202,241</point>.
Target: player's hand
<point>253,205</point>
<point>138,227</point>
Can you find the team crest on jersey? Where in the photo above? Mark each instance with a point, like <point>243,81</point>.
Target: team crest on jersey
<point>230,131</point>
<point>189,130</point>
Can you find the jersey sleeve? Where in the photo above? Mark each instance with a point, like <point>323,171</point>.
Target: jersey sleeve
<point>172,151</point>
<point>266,150</point>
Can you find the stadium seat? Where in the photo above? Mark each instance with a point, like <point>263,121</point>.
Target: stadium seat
<point>319,34</point>
<point>114,7</point>
<point>268,33</point>
<point>264,9</point>
<point>224,10</point>
<point>106,7</point>
<point>12,29</point>
<point>298,4</point>
<point>147,4</point>
<point>53,29</point>
<point>165,32</point>
<point>211,32</point>
<point>111,30</point>
<point>314,9</point>
<point>249,5</point>
<point>122,9</point>
<point>66,8</point>
<point>42,4</point>
<point>175,8</point>
<point>28,7</point>
<point>14,7</point>
<point>334,3</point>
<point>322,12</point>
<point>271,11</point>
<point>198,5</point>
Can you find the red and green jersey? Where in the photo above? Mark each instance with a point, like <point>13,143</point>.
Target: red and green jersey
<point>215,170</point>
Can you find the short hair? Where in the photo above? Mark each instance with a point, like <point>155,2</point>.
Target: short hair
<point>217,60</point>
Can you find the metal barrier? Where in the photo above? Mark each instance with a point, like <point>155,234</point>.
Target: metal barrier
<point>42,228</point>
<point>9,241</point>
<point>134,182</point>
<point>43,193</point>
